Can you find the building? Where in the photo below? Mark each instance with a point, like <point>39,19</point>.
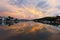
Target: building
<point>2,19</point>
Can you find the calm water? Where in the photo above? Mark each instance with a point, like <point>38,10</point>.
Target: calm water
<point>29,31</point>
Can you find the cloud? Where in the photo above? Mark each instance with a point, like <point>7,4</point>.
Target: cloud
<point>43,4</point>
<point>32,8</point>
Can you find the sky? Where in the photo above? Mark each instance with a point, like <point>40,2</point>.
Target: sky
<point>29,9</point>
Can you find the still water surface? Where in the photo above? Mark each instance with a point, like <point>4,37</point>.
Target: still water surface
<point>29,31</point>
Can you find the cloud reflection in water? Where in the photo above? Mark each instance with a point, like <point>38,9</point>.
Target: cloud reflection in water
<point>28,31</point>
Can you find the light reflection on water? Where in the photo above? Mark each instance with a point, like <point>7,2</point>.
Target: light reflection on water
<point>29,31</point>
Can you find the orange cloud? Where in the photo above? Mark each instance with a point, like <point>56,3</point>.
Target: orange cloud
<point>34,11</point>
<point>20,12</point>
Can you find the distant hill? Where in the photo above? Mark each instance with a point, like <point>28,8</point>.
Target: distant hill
<point>24,20</point>
<point>49,20</point>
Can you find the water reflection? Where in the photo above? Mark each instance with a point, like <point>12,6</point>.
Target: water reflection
<point>29,31</point>
<point>9,23</point>
<point>54,23</point>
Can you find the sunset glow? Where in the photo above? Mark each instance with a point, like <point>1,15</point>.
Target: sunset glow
<point>29,19</point>
<point>29,9</point>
